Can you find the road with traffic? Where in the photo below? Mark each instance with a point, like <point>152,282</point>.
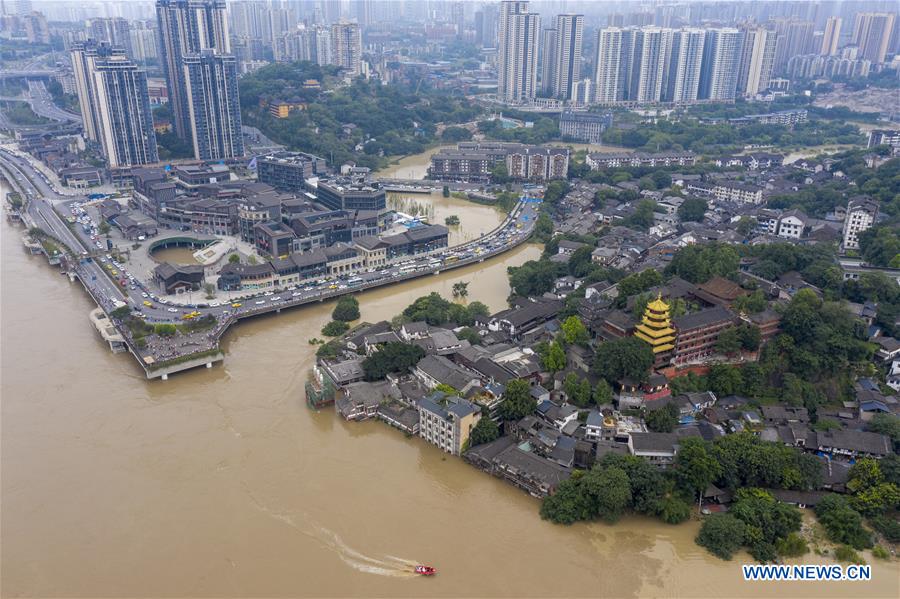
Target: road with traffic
<point>112,285</point>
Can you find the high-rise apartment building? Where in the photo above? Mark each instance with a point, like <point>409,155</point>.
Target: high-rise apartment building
<point>567,70</point>
<point>861,214</point>
<point>795,37</point>
<point>831,36</point>
<point>872,33</point>
<point>757,60</point>
<point>346,47</point>
<point>115,104</point>
<point>188,27</point>
<point>115,31</point>
<point>721,59</point>
<point>517,51</point>
<point>548,61</point>
<point>211,92</point>
<point>486,26</point>
<point>608,65</point>
<point>649,64</point>
<point>685,66</point>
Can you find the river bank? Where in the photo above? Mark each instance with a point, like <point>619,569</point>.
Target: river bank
<point>222,483</point>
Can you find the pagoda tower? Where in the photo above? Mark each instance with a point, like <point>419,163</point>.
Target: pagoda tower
<point>656,329</point>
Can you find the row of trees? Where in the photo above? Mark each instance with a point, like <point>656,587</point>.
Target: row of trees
<point>435,310</point>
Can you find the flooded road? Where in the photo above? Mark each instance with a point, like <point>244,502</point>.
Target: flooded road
<point>474,219</point>
<point>222,483</point>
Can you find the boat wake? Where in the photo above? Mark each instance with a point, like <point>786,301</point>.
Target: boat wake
<point>385,565</point>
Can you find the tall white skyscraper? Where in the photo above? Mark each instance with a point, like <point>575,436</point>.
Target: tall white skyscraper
<point>685,65</point>
<point>721,56</point>
<point>215,110</point>
<point>517,51</point>
<point>569,33</point>
<point>608,65</point>
<point>757,60</point>
<point>831,36</point>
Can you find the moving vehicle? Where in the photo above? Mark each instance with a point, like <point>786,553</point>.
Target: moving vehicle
<point>425,570</point>
<point>236,305</point>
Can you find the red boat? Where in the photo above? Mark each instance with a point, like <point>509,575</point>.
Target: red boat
<point>425,570</point>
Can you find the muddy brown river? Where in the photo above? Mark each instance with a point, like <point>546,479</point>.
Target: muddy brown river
<point>222,483</point>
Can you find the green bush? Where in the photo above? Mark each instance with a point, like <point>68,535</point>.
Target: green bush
<point>792,546</point>
<point>335,328</point>
<point>847,554</point>
<point>880,552</point>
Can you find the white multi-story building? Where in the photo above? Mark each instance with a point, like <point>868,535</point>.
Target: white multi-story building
<point>650,53</point>
<point>447,421</point>
<point>517,52</point>
<point>791,224</point>
<point>861,213</point>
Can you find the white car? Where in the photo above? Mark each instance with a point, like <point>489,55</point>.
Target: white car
<point>267,293</point>
<point>172,310</point>
<point>260,302</point>
<point>296,294</point>
<point>144,294</point>
<point>275,299</point>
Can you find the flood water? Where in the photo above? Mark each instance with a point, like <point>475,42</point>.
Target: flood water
<point>474,219</point>
<point>222,483</point>
<point>176,255</point>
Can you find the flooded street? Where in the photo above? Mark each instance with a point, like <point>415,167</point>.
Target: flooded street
<point>474,219</point>
<point>222,483</point>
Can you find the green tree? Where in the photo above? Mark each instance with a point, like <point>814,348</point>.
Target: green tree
<point>104,227</point>
<point>569,504</point>
<point>695,467</point>
<point>461,289</point>
<point>842,523</point>
<point>580,262</point>
<point>672,509</point>
<point>517,401</point>
<point>554,359</point>
<point>392,357</point>
<point>664,419</point>
<point>603,393</point>
<point>335,328</point>
<point>121,312</point>
<point>729,342</point>
<point>484,432</point>
<point>610,491</point>
<point>628,357</point>
<point>754,303</point>
<point>722,535</point>
<point>574,332</point>
<point>234,259</point>
<point>347,309</point>
<point>692,209</point>
<point>724,379</point>
<point>699,263</point>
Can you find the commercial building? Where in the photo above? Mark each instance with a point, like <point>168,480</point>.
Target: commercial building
<point>418,240</point>
<point>447,421</point>
<point>211,93</point>
<point>289,170</point>
<point>861,213</point>
<point>351,193</point>
<point>517,52</point>
<point>115,104</point>
<point>178,278</point>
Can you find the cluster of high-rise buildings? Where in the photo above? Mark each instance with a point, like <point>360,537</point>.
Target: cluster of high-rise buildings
<point>638,62</point>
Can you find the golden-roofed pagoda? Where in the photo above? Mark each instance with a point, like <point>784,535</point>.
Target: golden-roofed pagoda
<point>656,329</point>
